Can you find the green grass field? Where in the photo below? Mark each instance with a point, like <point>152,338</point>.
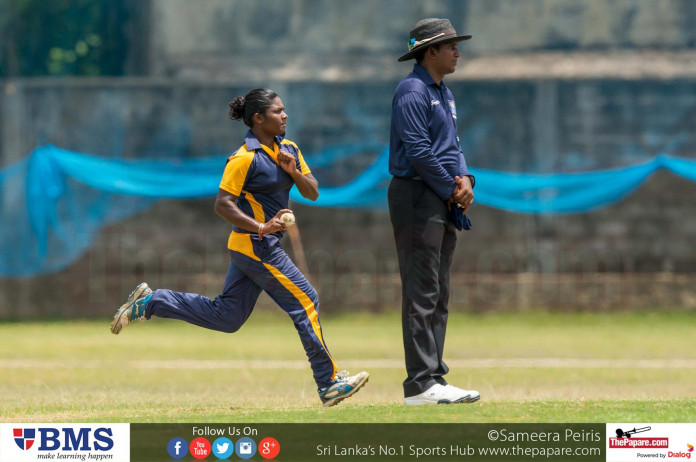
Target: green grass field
<point>533,367</point>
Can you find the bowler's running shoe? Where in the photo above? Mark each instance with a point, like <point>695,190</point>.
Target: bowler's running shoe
<point>344,387</point>
<point>133,309</point>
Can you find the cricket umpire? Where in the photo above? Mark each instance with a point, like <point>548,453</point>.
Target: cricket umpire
<point>431,187</point>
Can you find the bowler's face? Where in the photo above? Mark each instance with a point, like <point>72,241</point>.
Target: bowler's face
<point>446,58</point>
<point>275,118</point>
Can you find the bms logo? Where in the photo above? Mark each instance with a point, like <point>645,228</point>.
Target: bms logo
<point>24,437</point>
<point>64,439</point>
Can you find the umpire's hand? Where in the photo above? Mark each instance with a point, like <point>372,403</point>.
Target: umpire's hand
<point>463,193</point>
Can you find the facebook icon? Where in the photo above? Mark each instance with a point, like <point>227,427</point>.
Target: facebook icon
<point>177,448</point>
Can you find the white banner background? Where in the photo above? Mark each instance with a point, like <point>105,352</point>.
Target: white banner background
<point>120,452</point>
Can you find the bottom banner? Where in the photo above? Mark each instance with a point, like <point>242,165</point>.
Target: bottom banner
<point>355,442</point>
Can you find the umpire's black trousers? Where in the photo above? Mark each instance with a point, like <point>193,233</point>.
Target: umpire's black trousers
<point>425,242</point>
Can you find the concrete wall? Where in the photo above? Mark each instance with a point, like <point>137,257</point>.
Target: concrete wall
<point>602,84</point>
<point>318,39</point>
<point>513,26</point>
<point>633,256</point>
<point>517,125</point>
<point>509,261</point>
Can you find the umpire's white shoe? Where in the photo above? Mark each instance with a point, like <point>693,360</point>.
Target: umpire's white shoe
<point>473,394</point>
<point>437,394</point>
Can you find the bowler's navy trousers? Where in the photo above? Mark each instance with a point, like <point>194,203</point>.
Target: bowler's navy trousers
<point>255,265</point>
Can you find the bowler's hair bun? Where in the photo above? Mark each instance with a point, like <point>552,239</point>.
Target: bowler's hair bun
<point>237,108</point>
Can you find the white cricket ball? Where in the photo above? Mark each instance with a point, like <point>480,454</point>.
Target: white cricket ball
<point>288,219</point>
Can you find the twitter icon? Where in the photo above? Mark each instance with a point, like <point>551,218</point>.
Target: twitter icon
<point>223,448</point>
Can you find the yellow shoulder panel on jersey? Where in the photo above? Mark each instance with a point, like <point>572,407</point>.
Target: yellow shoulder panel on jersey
<point>236,171</point>
<point>303,165</point>
<point>291,143</point>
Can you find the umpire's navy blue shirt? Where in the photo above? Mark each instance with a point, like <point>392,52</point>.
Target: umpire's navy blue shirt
<point>424,141</point>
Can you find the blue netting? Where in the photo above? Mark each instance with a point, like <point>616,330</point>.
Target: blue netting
<point>55,202</point>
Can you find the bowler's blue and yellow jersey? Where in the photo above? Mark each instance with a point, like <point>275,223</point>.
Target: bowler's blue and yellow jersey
<point>262,188</point>
<point>253,174</point>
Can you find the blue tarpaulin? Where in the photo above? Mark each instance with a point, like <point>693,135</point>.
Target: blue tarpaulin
<point>55,202</point>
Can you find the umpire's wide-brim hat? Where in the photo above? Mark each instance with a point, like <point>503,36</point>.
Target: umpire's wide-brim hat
<point>430,32</point>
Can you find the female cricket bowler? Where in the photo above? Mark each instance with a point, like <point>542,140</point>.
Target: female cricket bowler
<point>253,194</point>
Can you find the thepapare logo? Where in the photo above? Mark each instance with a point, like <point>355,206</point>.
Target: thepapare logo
<point>65,439</point>
<point>24,437</point>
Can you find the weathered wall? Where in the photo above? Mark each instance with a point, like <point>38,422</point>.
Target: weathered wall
<point>613,259</point>
<point>518,125</point>
<point>509,261</point>
<point>513,26</point>
<point>545,86</point>
<point>301,39</point>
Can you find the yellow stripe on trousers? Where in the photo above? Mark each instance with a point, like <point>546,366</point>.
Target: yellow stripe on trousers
<point>308,305</point>
<point>240,242</point>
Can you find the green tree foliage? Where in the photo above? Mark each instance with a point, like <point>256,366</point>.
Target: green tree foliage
<point>62,37</point>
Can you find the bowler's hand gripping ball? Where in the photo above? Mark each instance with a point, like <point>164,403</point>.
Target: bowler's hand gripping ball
<point>288,219</point>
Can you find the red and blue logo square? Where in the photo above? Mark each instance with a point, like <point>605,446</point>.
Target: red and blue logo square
<point>24,437</point>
